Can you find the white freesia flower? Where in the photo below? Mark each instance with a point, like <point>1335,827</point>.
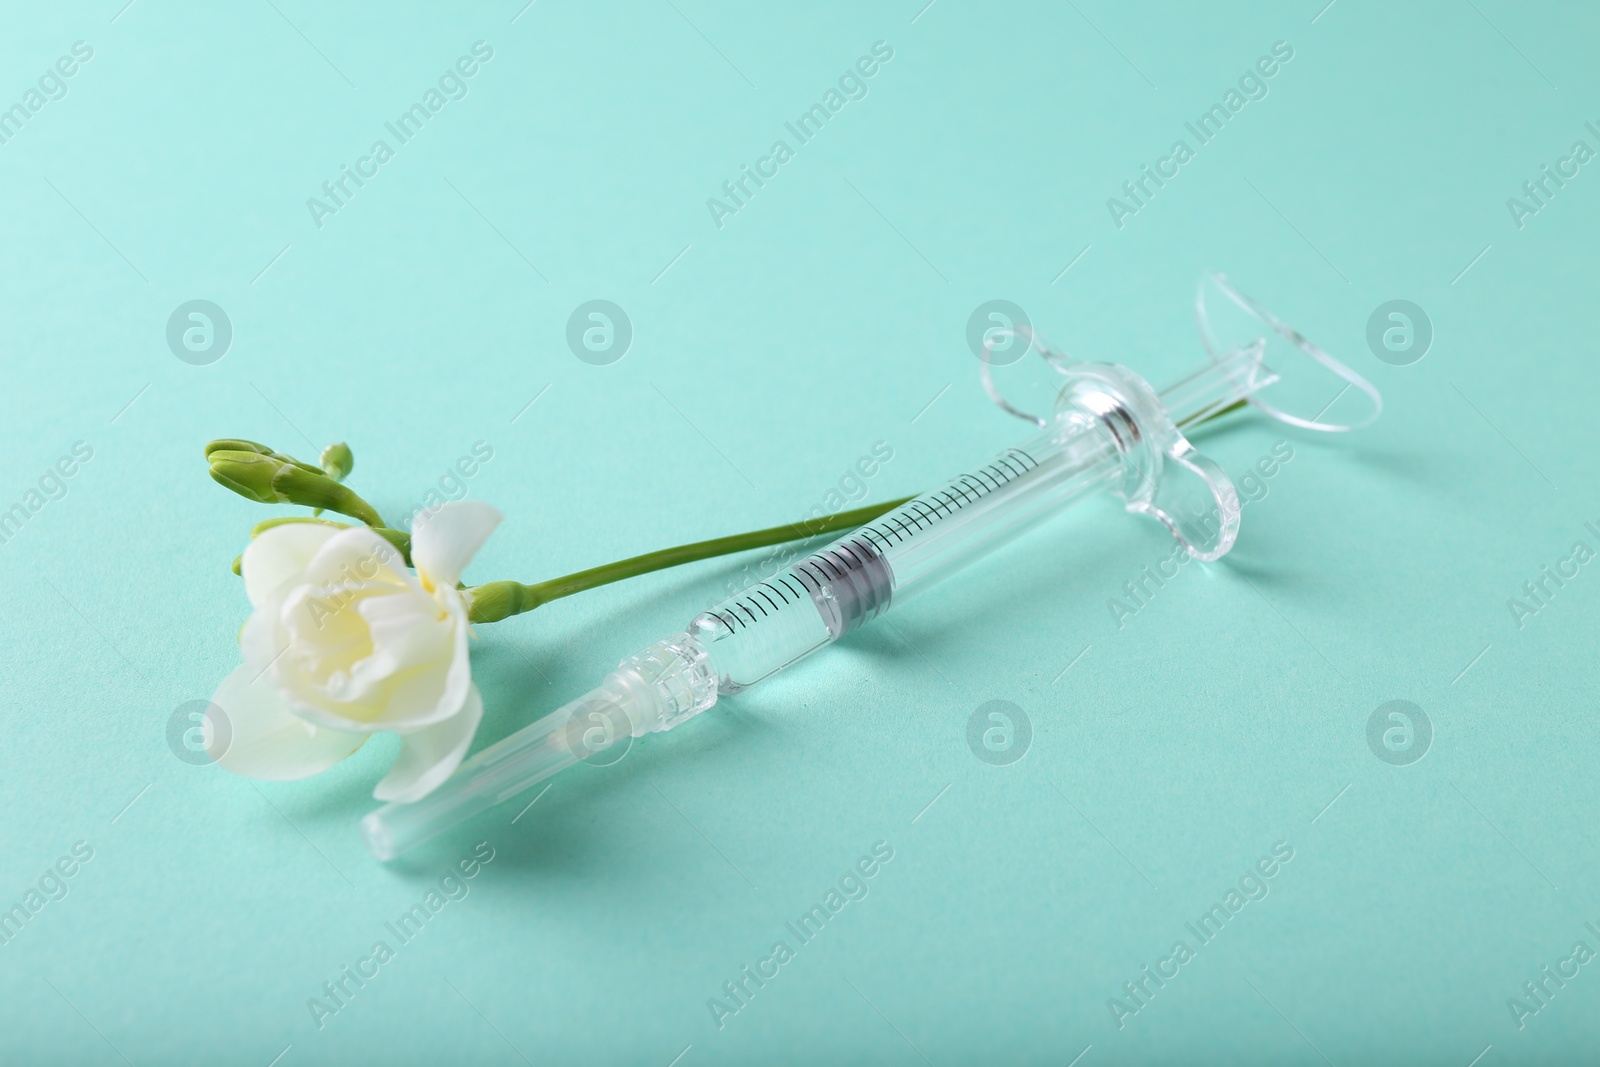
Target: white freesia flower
<point>345,641</point>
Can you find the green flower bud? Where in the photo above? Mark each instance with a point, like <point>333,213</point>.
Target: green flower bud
<point>276,479</point>
<point>317,490</point>
<point>235,444</point>
<point>249,474</point>
<point>338,461</point>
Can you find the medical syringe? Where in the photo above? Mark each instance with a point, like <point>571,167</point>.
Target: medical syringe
<point>1109,430</point>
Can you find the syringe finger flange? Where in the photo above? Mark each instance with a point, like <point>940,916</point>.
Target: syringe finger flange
<point>1163,474</point>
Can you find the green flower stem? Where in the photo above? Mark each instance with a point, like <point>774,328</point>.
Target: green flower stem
<point>494,601</point>
<point>1237,405</point>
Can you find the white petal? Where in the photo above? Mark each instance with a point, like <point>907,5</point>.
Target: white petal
<point>259,737</point>
<point>429,755</point>
<point>318,621</point>
<point>405,630</point>
<point>279,554</point>
<point>262,639</point>
<point>357,555</point>
<point>444,540</point>
<point>434,690</point>
<point>460,677</point>
<point>431,669</point>
<point>402,674</point>
<point>332,658</point>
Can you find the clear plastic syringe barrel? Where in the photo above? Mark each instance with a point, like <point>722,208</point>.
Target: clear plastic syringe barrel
<point>1110,430</point>
<point>853,580</point>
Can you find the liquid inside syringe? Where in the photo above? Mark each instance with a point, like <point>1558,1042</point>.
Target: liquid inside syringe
<point>855,579</point>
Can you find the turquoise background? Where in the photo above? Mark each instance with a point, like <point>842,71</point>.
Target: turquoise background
<point>769,355</point>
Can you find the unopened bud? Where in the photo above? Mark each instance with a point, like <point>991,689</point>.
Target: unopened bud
<point>236,444</point>
<point>249,474</point>
<point>275,479</point>
<point>317,490</point>
<point>338,461</point>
